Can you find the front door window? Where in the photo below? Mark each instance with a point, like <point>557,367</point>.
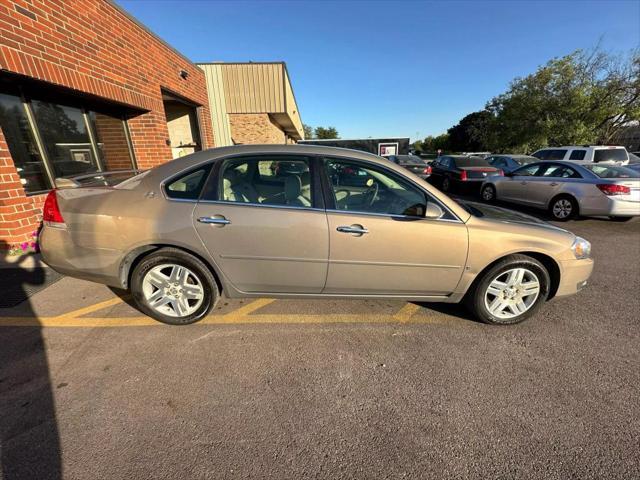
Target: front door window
<point>362,188</point>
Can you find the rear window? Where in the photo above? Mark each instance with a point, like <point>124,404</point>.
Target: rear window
<point>610,171</point>
<point>610,155</point>
<point>471,162</point>
<point>412,159</point>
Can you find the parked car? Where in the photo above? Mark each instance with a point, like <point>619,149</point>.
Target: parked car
<point>585,153</point>
<point>456,171</point>
<point>413,163</point>
<point>567,189</point>
<point>509,162</point>
<point>220,222</point>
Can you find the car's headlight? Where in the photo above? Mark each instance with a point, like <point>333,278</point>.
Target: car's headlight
<point>581,248</point>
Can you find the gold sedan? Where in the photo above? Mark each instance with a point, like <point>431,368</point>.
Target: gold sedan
<point>301,221</point>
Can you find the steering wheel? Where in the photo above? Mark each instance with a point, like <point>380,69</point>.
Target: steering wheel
<point>370,194</point>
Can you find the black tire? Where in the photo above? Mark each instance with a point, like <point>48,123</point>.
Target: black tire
<point>475,298</point>
<point>620,219</point>
<point>490,192</point>
<point>446,184</point>
<point>563,205</point>
<point>178,257</point>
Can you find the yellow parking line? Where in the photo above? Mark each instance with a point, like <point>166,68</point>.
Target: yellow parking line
<point>246,310</point>
<point>406,312</point>
<point>92,308</point>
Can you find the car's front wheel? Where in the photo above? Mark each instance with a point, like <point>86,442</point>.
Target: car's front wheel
<point>173,287</point>
<point>510,291</point>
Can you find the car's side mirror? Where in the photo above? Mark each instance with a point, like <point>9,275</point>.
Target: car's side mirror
<point>434,211</point>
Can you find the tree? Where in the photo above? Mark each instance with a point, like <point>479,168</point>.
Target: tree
<point>308,131</point>
<point>326,133</point>
<point>472,133</point>
<point>433,144</point>
<point>584,97</point>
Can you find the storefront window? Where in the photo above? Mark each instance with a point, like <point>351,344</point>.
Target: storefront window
<point>111,137</point>
<point>49,140</point>
<point>22,145</point>
<point>65,137</point>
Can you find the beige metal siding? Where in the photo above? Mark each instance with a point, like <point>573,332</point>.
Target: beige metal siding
<point>254,88</point>
<point>217,104</point>
<point>292,106</point>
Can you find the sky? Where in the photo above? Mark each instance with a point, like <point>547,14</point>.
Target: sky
<point>377,68</point>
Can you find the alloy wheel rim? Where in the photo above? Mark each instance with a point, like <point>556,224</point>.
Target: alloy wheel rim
<point>562,208</point>
<point>487,193</point>
<point>445,184</point>
<point>512,293</point>
<point>172,290</point>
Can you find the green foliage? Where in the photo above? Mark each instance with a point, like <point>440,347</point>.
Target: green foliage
<point>472,133</point>
<point>577,99</point>
<point>326,133</point>
<point>308,131</point>
<point>432,144</point>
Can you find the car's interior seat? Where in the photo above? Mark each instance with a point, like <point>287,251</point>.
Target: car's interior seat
<point>236,189</point>
<point>292,192</point>
<point>305,191</point>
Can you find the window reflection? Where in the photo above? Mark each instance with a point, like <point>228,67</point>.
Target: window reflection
<point>65,138</point>
<point>22,146</point>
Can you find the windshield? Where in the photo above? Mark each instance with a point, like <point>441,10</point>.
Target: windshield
<point>610,155</point>
<point>471,162</point>
<point>610,171</point>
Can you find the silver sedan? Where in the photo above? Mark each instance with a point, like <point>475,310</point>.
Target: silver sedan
<point>567,189</point>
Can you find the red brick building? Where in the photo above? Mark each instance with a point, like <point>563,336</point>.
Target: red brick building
<point>84,88</point>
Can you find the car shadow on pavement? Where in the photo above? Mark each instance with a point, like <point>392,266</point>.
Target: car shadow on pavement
<point>453,309</point>
<point>29,438</point>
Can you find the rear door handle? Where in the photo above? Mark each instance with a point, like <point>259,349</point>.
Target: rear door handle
<point>523,183</point>
<point>356,230</point>
<point>215,220</point>
<point>553,184</point>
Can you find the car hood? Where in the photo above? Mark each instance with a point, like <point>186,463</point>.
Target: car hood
<point>499,214</point>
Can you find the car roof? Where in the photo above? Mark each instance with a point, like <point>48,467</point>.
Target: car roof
<point>181,164</point>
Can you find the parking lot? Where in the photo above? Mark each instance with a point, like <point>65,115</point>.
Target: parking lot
<point>90,388</point>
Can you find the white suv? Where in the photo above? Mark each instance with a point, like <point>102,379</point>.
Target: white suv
<point>585,153</point>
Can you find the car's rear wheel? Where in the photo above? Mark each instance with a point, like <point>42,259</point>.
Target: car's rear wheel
<point>620,219</point>
<point>510,291</point>
<point>563,208</point>
<point>173,287</point>
<point>446,184</point>
<point>488,193</point>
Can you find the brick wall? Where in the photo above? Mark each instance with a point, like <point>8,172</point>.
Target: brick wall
<point>92,47</point>
<point>252,128</point>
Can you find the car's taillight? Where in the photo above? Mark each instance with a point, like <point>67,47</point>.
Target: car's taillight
<point>427,170</point>
<point>500,173</point>
<point>613,189</point>
<point>463,175</point>
<point>51,212</point>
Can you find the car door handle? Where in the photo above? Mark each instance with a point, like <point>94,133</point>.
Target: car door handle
<point>357,230</point>
<point>215,220</point>
<point>523,183</point>
<point>553,184</point>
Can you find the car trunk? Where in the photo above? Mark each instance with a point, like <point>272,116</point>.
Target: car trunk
<point>480,172</point>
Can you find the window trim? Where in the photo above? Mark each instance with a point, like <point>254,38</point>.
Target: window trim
<point>183,173</point>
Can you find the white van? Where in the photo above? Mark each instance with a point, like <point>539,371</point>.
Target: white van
<point>585,153</point>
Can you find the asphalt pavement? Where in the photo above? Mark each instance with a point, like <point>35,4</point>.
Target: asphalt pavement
<point>327,389</point>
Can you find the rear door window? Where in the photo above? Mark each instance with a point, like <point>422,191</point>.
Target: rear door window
<point>528,171</point>
<point>560,171</point>
<point>577,155</point>
<point>268,180</point>
<point>556,154</point>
